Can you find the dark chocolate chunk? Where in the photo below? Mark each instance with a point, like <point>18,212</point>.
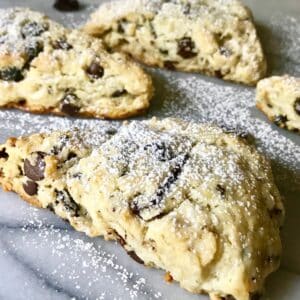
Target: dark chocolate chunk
<point>64,198</point>
<point>120,28</point>
<point>187,9</point>
<point>175,171</point>
<point>163,51</point>
<point>22,102</point>
<point>62,44</point>
<point>161,151</point>
<point>133,255</point>
<point>119,93</point>
<point>228,297</point>
<point>221,190</point>
<point>71,155</point>
<point>30,187</point>
<point>275,212</point>
<point>50,207</point>
<point>186,48</point>
<point>280,120</point>
<point>35,171</point>
<point>11,74</point>
<point>69,104</point>
<point>33,29</point>
<point>225,51</point>
<point>218,74</point>
<point>33,50</point>
<point>67,5</point>
<point>297,106</point>
<point>170,65</point>
<point>95,70</point>
<point>3,153</point>
<point>255,296</point>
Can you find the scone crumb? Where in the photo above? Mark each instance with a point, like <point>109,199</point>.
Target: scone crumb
<point>168,277</point>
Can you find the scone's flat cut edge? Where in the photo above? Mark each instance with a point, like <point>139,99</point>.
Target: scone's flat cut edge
<point>161,185</point>
<point>278,97</point>
<point>213,37</point>
<point>46,68</point>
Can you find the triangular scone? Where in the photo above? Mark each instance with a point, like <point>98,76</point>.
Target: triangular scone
<point>46,68</point>
<point>35,167</point>
<point>214,37</point>
<point>278,97</point>
<point>190,199</point>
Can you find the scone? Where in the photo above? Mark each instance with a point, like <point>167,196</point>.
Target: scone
<point>36,167</point>
<point>279,98</point>
<point>46,68</point>
<point>190,199</point>
<point>214,37</point>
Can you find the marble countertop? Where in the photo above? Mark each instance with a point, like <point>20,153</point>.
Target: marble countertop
<point>42,257</point>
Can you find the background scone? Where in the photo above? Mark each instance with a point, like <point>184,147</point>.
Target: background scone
<point>279,98</point>
<point>190,199</point>
<point>214,37</point>
<point>47,68</point>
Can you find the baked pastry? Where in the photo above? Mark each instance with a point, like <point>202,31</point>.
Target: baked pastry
<point>46,68</point>
<point>177,194</point>
<point>35,167</point>
<point>214,37</point>
<point>278,97</point>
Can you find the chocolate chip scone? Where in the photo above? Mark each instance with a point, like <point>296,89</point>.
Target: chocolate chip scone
<point>35,167</point>
<point>214,37</point>
<point>190,199</point>
<point>279,98</point>
<point>45,67</point>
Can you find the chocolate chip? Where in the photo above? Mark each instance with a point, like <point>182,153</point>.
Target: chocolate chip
<point>33,29</point>
<point>228,297</point>
<point>170,65</point>
<point>218,74</point>
<point>95,70</point>
<point>187,9</point>
<point>64,198</point>
<point>221,190</point>
<point>119,93</point>
<point>62,44</point>
<point>30,187</point>
<point>255,296</point>
<point>225,51</point>
<point>22,102</point>
<point>120,240</point>
<point>120,28</point>
<point>275,212</point>
<point>297,106</point>
<point>11,74</point>
<point>33,50</point>
<point>35,171</point>
<point>66,5</point>
<point>3,154</point>
<point>160,150</point>
<point>163,51</point>
<point>50,207</point>
<point>280,120</point>
<point>69,104</point>
<point>175,171</point>
<point>133,255</point>
<point>71,155</point>
<point>186,48</point>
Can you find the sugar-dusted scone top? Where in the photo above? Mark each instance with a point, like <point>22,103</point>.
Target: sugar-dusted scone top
<point>35,167</point>
<point>214,37</point>
<point>46,68</point>
<point>190,199</point>
<point>279,98</point>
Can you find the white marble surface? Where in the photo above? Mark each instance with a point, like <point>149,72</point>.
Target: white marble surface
<point>41,257</point>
